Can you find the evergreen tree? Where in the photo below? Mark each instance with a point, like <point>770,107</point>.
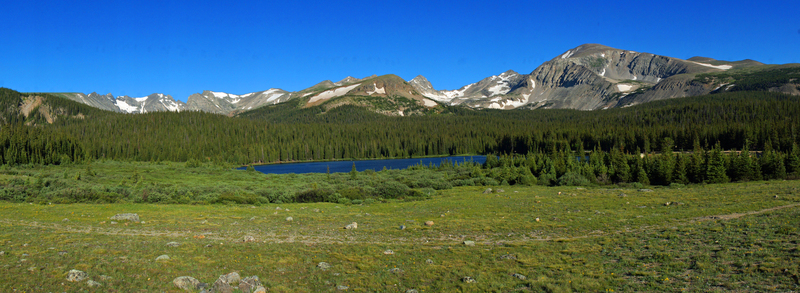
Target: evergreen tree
<point>715,172</point>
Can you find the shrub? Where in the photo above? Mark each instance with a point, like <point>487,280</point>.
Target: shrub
<point>392,189</point>
<point>573,179</point>
<point>243,198</point>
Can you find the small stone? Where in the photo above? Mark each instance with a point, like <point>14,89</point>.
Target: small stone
<point>428,223</point>
<point>163,257</point>
<point>342,288</point>
<point>31,269</point>
<point>25,245</point>
<point>2,253</point>
<point>645,190</point>
<point>278,208</point>
<point>500,190</point>
<point>126,217</point>
<point>248,238</point>
<point>323,266</point>
<point>260,289</point>
<point>580,188</point>
<point>388,252</point>
<point>316,210</point>
<point>623,195</point>
<point>204,222</point>
<point>396,271</point>
<point>429,261</point>
<point>142,222</point>
<point>469,243</point>
<point>104,278</point>
<point>65,220</point>
<point>253,218</point>
<point>62,253</point>
<point>173,244</point>
<point>667,203</point>
<point>487,191</point>
<point>352,225</point>
<point>442,215</point>
<point>186,283</point>
<point>249,284</point>
<point>289,219</point>
<point>402,227</point>
<point>412,291</point>
<point>519,276</point>
<point>76,276</point>
<point>93,283</point>
<point>113,223</point>
<point>537,219</point>
<point>468,280</point>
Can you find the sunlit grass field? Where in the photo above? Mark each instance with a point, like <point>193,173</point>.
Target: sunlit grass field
<point>739,237</point>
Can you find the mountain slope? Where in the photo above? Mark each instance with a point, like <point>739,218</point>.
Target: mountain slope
<point>125,104</point>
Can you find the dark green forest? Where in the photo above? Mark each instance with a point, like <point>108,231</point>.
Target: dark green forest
<point>716,138</point>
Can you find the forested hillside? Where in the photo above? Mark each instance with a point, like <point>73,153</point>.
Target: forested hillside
<point>289,133</point>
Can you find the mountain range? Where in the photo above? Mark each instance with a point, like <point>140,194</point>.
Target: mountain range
<point>588,77</point>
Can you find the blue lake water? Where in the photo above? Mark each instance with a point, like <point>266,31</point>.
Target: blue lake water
<point>346,166</point>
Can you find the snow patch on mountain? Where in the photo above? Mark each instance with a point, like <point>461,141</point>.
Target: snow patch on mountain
<point>624,87</point>
<point>124,107</point>
<point>721,67</point>
<point>337,92</point>
<point>429,103</point>
<point>377,90</point>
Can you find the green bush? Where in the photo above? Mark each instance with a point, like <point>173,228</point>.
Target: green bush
<point>573,179</point>
<point>392,189</point>
<point>243,198</point>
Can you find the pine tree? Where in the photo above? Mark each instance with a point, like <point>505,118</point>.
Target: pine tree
<point>715,172</point>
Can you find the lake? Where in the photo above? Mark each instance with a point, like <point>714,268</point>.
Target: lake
<point>361,165</point>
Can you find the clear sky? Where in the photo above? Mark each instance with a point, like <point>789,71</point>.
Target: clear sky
<point>136,48</point>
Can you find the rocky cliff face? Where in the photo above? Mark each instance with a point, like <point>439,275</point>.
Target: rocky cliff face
<point>125,104</point>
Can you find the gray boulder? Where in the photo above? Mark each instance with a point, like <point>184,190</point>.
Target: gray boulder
<point>250,284</point>
<point>487,191</point>
<point>126,217</point>
<point>93,283</point>
<point>324,266</point>
<point>162,257</point>
<point>519,276</point>
<point>173,244</point>
<point>76,276</point>
<point>468,279</point>
<point>186,283</point>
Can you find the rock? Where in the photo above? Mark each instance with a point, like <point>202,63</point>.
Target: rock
<point>645,190</point>
<point>113,223</point>
<point>537,219</point>
<point>508,256</point>
<point>76,276</point>
<point>519,276</point>
<point>623,195</point>
<point>289,219</point>
<point>500,190</point>
<point>667,203</point>
<point>104,278</point>
<point>204,222</point>
<point>250,284</point>
<point>2,253</point>
<point>468,280</point>
<point>253,218</point>
<point>428,223</point>
<point>351,226</point>
<point>580,188</point>
<point>324,266</point>
<point>487,191</point>
<point>412,291</point>
<point>221,286</point>
<point>342,288</point>
<point>173,244</point>
<point>93,283</point>
<point>260,289</point>
<point>441,216</point>
<point>388,252</point>
<point>396,271</point>
<point>186,283</point>
<point>231,278</point>
<point>126,217</point>
<point>316,210</point>
<point>65,220</point>
<point>163,257</point>
<point>278,208</point>
<point>62,253</point>
<point>429,261</point>
<point>402,227</point>
<point>248,238</point>
<point>469,243</point>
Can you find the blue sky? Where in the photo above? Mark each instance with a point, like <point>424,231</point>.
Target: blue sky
<point>136,48</point>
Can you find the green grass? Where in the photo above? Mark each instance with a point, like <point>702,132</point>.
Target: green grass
<point>587,240</point>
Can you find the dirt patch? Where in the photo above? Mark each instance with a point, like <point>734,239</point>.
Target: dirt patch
<point>739,215</point>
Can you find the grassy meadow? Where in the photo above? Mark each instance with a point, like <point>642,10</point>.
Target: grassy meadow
<point>739,237</point>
